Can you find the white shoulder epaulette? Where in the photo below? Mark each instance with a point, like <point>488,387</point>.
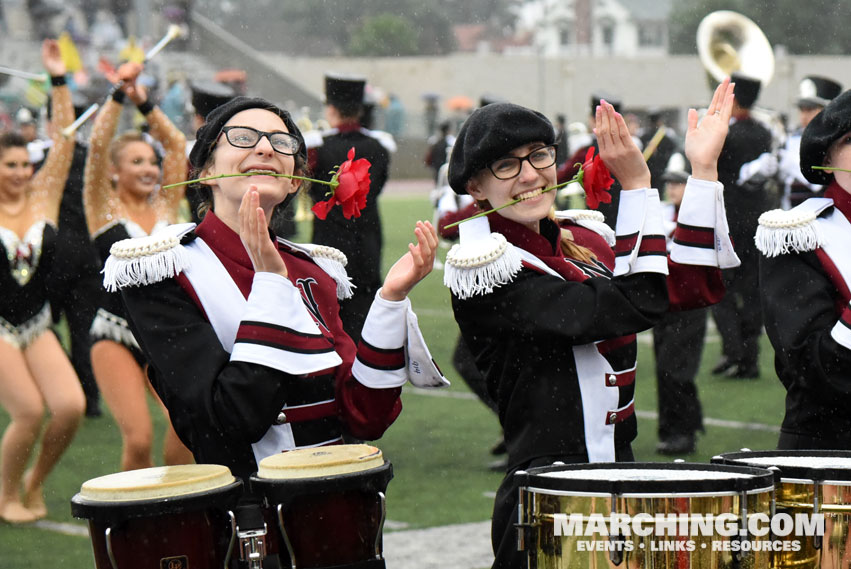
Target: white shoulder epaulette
<point>146,260</point>
<point>313,138</point>
<point>791,231</point>
<point>481,261</point>
<point>331,260</point>
<point>589,219</point>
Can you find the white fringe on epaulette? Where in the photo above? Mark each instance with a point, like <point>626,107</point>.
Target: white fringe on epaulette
<point>140,267</point>
<point>107,325</point>
<point>479,274</point>
<point>337,271</point>
<point>776,237</point>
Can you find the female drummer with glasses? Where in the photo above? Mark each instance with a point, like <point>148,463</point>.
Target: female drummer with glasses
<point>548,307</point>
<point>122,199</point>
<point>242,329</point>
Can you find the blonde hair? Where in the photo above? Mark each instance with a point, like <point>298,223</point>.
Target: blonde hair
<point>569,247</point>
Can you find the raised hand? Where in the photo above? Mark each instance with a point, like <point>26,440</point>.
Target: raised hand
<point>413,266</point>
<point>126,77</point>
<point>51,58</point>
<point>254,234</point>
<point>618,150</point>
<point>704,140</point>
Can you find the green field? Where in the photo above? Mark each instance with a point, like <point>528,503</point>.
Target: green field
<point>439,446</point>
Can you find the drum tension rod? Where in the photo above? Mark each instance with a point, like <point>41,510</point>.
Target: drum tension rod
<point>816,487</point>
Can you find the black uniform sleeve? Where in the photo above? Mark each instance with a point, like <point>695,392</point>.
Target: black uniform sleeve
<point>799,310</point>
<point>580,312</point>
<point>211,400</point>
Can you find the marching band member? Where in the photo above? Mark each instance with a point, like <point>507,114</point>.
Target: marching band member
<point>805,269</point>
<point>550,312</point>
<point>122,199</point>
<point>35,372</point>
<point>813,94</point>
<point>242,329</point>
<point>745,164</point>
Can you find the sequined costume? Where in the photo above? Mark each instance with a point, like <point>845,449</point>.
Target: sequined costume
<point>27,260</point>
<point>107,217</point>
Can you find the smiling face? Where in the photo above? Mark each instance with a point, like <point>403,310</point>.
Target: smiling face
<point>839,156</point>
<point>262,158</point>
<point>15,170</point>
<point>136,168</point>
<point>527,185</point>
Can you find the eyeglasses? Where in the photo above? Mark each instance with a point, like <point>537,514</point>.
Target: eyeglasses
<point>247,137</point>
<point>510,166</point>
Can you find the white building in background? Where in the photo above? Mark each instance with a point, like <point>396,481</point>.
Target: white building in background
<point>597,28</point>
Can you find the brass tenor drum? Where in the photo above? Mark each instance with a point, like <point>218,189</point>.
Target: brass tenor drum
<point>617,495</point>
<point>811,482</point>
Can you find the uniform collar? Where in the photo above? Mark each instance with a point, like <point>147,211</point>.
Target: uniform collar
<point>223,240</point>
<point>542,244</point>
<point>841,198</point>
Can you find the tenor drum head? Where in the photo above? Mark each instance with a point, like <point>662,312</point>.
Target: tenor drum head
<point>646,478</point>
<point>321,461</point>
<point>795,464</point>
<point>162,489</point>
<point>322,470</point>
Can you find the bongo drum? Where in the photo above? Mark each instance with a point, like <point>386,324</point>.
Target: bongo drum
<point>641,515</point>
<point>168,517</point>
<point>811,482</point>
<point>327,504</point>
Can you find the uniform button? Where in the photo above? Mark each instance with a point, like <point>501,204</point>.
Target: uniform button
<point>613,417</point>
<point>282,418</point>
<point>612,379</point>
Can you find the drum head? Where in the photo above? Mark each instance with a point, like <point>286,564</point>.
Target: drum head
<point>646,478</point>
<point>162,489</point>
<point>322,470</point>
<point>320,461</point>
<point>795,464</point>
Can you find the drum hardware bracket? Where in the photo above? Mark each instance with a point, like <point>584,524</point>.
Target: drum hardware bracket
<point>525,532</point>
<point>615,553</point>
<point>232,542</point>
<point>378,544</point>
<point>252,546</point>
<point>280,510</point>
<point>738,554</point>
<point>108,536</point>
<point>817,539</point>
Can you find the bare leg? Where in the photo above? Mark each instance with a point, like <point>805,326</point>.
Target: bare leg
<point>20,397</point>
<point>123,387</point>
<point>174,451</point>
<point>66,403</point>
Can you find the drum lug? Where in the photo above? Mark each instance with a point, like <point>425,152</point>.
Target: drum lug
<point>252,547</point>
<point>233,531</point>
<point>378,544</point>
<point>108,536</point>
<point>280,510</point>
<point>615,553</point>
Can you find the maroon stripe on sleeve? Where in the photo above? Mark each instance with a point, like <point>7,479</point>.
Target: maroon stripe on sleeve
<point>281,337</point>
<point>693,236</point>
<point>652,245</point>
<point>624,244</point>
<point>380,358</point>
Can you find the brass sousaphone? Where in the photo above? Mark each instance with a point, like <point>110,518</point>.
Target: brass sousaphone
<point>729,42</point>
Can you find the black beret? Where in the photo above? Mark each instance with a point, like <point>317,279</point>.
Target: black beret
<point>830,124</point>
<point>491,132</point>
<point>746,90</point>
<point>207,135</point>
